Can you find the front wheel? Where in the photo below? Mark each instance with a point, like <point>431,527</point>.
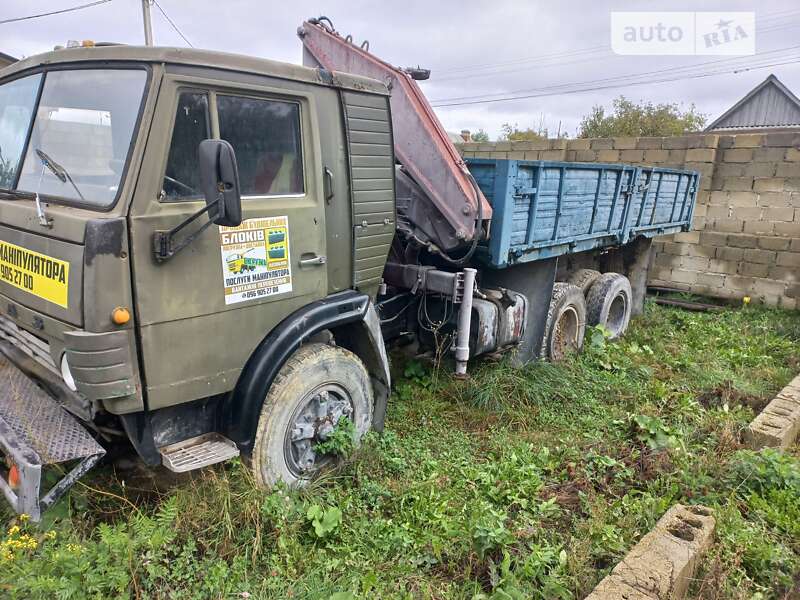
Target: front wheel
<point>315,388</point>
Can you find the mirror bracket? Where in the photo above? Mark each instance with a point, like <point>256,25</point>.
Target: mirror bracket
<point>163,246</point>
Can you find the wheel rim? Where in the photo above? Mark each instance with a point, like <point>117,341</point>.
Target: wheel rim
<point>565,334</point>
<point>616,314</point>
<point>313,420</point>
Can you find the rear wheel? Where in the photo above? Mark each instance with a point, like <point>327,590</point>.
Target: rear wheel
<point>318,386</point>
<point>584,279</point>
<point>608,303</point>
<point>566,322</point>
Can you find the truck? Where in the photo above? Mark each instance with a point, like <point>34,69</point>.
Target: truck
<point>206,255</point>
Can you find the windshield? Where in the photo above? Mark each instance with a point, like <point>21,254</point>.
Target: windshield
<point>83,125</point>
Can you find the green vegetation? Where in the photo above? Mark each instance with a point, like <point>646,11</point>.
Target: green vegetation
<point>512,484</point>
<point>630,119</point>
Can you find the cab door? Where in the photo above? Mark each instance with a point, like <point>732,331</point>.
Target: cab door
<point>201,313</point>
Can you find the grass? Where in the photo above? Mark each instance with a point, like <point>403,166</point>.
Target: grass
<point>526,483</point>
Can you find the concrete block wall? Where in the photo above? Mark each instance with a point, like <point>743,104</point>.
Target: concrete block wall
<point>745,238</point>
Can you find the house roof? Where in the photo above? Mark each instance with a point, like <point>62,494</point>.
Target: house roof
<point>5,59</point>
<point>768,105</point>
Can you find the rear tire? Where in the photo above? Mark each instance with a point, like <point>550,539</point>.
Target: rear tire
<point>608,303</point>
<point>566,322</point>
<point>318,385</point>
<point>584,279</point>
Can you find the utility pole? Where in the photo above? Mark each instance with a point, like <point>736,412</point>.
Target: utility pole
<point>148,26</point>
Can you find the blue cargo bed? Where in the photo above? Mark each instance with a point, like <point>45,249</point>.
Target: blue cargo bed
<point>543,209</point>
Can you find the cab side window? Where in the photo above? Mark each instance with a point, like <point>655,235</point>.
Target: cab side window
<point>265,134</point>
<point>182,177</point>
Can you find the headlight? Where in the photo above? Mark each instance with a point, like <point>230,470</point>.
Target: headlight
<point>67,374</point>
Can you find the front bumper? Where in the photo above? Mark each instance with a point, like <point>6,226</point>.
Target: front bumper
<point>36,431</point>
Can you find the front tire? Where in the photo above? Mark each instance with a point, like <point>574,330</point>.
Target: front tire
<point>316,387</point>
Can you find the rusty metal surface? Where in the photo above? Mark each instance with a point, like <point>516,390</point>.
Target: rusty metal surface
<point>38,422</point>
<point>420,142</point>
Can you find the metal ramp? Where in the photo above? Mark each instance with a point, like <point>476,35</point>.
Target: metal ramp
<point>35,431</point>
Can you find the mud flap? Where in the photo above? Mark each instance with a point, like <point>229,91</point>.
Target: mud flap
<point>36,431</point>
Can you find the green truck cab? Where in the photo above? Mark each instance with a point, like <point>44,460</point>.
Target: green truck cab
<point>199,303</point>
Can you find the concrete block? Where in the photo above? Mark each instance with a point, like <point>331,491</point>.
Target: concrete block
<point>676,249</point>
<point>788,229</point>
<point>701,154</point>
<point>710,140</point>
<point>533,155</point>
<point>662,564</point>
<point>794,245</point>
<point>585,155</point>
<point>694,263</point>
<point>677,157</point>
<point>785,169</point>
<point>656,156</point>
<point>552,154</point>
<point>743,241</point>
<point>516,155</point>
<point>730,254</point>
<point>711,280</point>
<point>738,183</point>
<point>747,213</point>
<point>753,270</point>
<point>775,199</point>
<point>625,143</point>
<point>712,238</point>
<point>774,243</point>
<point>602,144</point>
<point>687,237</point>
<point>742,198</point>
<point>678,143</point>
<point>557,144</point>
<point>792,154</point>
<point>738,155</point>
<point>763,257</point>
<point>608,156</point>
<point>768,155</point>
<point>761,169</point>
<point>782,139</point>
<point>788,259</point>
<point>633,156</point>
<point>787,275</point>
<point>767,287</point>
<point>579,144</point>
<point>776,213</point>
<point>719,211</point>
<point>730,169</point>
<point>649,143</point>
<point>724,267</point>
<point>748,140</point>
<point>684,276</point>
<point>778,424</point>
<point>759,227</point>
<point>768,184</point>
<point>788,303</point>
<point>729,225</point>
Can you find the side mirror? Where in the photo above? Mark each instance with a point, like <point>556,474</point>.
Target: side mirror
<point>219,177</point>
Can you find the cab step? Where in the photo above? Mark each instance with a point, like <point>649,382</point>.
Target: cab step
<point>36,431</point>
<point>198,452</point>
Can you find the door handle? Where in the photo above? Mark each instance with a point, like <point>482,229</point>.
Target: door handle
<point>316,260</point>
<point>328,185</point>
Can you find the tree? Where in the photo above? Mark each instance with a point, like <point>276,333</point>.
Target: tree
<point>512,133</point>
<point>645,119</point>
<point>480,136</point>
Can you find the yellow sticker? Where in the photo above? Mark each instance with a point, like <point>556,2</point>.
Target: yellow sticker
<point>35,273</point>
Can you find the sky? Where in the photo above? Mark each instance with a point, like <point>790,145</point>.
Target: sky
<point>476,49</point>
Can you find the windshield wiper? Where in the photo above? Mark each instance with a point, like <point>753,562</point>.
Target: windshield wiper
<point>57,170</point>
<point>7,194</point>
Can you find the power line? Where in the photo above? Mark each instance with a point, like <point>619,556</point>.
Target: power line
<point>55,12</point>
<point>795,60</point>
<point>768,23</point>
<point>685,69</point>
<point>171,22</point>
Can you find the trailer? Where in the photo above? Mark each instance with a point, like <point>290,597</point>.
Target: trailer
<point>223,271</point>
